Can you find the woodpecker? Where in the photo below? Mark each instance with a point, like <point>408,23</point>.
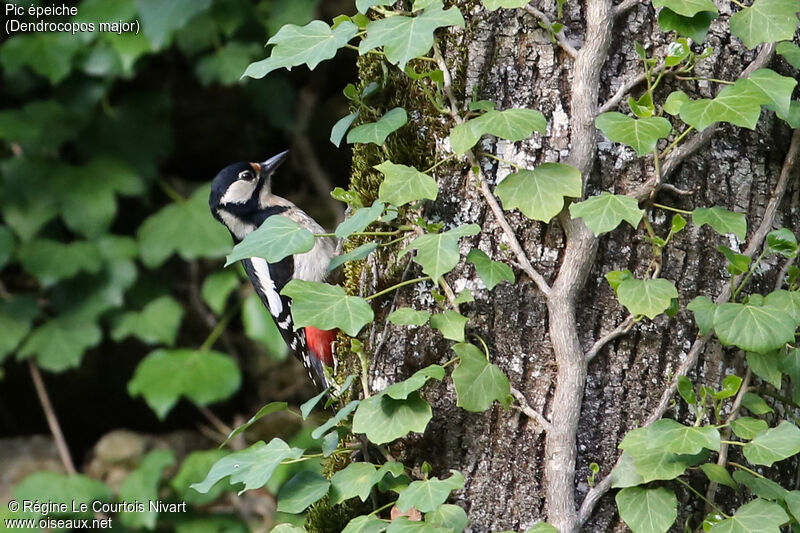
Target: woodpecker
<point>241,199</point>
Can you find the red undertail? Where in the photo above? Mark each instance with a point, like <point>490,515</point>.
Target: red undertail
<point>320,343</point>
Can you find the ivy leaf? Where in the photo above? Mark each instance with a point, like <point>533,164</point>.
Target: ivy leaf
<point>383,419</point>
<point>360,219</point>
<point>376,132</point>
<point>451,324</point>
<point>773,445</point>
<point>260,326</point>
<point>687,8</point>
<point>721,220</point>
<point>605,212</point>
<point>278,237</point>
<point>776,89</point>
<point>640,134</point>
<point>401,389</point>
<point>160,19</point>
<point>438,252</point>
<point>217,287</point>
<point>302,490</point>
<point>695,28</point>
<point>186,228</point>
<point>765,21</point>
<point>738,104</point>
<point>402,524</point>
<point>157,323</point>
<point>280,528</point>
<point>766,366</point>
<point>142,485</point>
<point>448,516</point>
<point>758,516</point>
<point>674,101</point>
<point>540,193</point>
<point>674,437</point>
<point>204,377</point>
<point>648,297</point>
<point>478,382</point>
<point>7,245</point>
<point>52,261</point>
<point>357,479</point>
<point>730,386</point>
<point>405,38</point>
<point>271,407</point>
<point>47,54</point>
<point>252,466</point>
<point>652,462</point>
<point>790,52</point>
<point>493,5</point>
<point>61,488</point>
<point>59,343</point>
<point>193,470</point>
<point>296,45</point>
<point>718,474</point>
<point>340,128</point>
<point>760,486</point>
<point>405,316</point>
<point>355,254</point>
<point>511,124</point>
<point>737,263</point>
<point>491,272</point>
<point>334,420</point>
<point>704,310</point>
<point>782,241</point>
<point>747,427</point>
<point>16,317</point>
<point>753,328</point>
<point>756,404</point>
<point>365,523</point>
<point>647,510</point>
<point>425,496</point>
<point>624,474</point>
<point>403,184</point>
<point>542,527</point>
<point>792,500</point>
<point>327,307</point>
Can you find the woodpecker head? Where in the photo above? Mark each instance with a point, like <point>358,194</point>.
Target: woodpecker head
<point>240,191</point>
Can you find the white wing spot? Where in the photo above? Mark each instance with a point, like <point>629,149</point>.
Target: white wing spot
<point>261,269</point>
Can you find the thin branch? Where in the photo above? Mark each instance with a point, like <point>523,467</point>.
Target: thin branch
<point>624,89</point>
<point>52,419</point>
<point>529,411</point>
<point>215,421</point>
<point>561,40</point>
<point>619,331</point>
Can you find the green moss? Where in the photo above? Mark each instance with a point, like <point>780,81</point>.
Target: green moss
<point>322,517</point>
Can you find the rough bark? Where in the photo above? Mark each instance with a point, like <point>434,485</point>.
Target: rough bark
<point>510,464</point>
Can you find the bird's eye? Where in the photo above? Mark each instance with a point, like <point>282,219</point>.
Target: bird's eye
<point>246,175</point>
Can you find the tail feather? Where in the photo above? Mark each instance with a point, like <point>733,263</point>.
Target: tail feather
<point>318,353</point>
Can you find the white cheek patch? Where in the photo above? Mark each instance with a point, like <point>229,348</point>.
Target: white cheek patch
<point>262,273</point>
<point>239,192</point>
<point>236,226</point>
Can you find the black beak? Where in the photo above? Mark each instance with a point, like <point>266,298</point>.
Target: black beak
<point>272,163</point>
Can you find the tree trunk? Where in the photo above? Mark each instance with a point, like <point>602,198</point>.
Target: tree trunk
<point>516,474</point>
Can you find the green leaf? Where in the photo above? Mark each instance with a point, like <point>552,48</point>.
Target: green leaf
<point>296,45</point>
<point>355,254</point>
<point>52,261</point>
<point>491,272</point>
<point>766,366</point>
<point>674,437</point>
<point>401,389</point>
<point>438,253</point>
<point>357,479</point>
<point>765,21</point>
<point>402,524</point>
<point>760,486</point>
<point>252,466</point>
<point>365,523</point>
<point>651,461</point>
<point>142,485</point>
<point>790,52</point>
<point>376,132</point>
<point>493,5</point>
<point>782,241</point>
<point>616,277</point>
<point>425,496</point>
<point>542,527</point>
<point>278,237</point>
<point>360,219</point>
<point>61,488</point>
<point>540,193</point>
<point>730,386</point>
<point>756,404</point>
<point>405,38</point>
<point>687,8</point>
<point>649,297</point>
<point>280,528</point>
<point>624,474</point>
<point>202,377</point>
<point>605,212</point>
<point>747,427</point>
<point>260,326</point>
<point>776,89</point>
<point>302,490</point>
<point>686,390</point>
<point>341,127</point>
<point>719,475</point>
<point>451,324</point>
<point>674,101</point>
<point>193,470</point>
<point>161,19</point>
<point>786,301</point>
<point>792,500</point>
<point>59,343</point>
<point>704,311</point>
<point>758,516</point>
<point>478,382</point>
<point>640,134</point>
<point>647,510</point>
<point>7,245</point>
<point>271,407</point>
<point>403,184</point>
<point>773,445</point>
<point>217,287</point>
<point>448,516</point>
<point>696,27</point>
<point>753,328</point>
<point>511,124</point>
<point>738,104</point>
<point>226,64</point>
<point>405,316</point>
<point>47,54</point>
<point>186,228</point>
<point>340,415</point>
<point>16,317</point>
<point>157,323</point>
<point>308,405</point>
<point>383,419</point>
<point>721,220</point>
<point>737,263</point>
<point>327,307</point>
